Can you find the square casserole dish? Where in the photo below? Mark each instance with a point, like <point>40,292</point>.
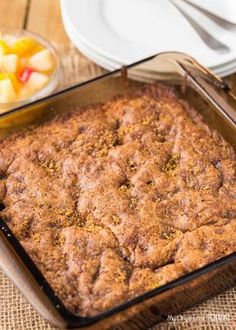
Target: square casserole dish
<point>218,108</point>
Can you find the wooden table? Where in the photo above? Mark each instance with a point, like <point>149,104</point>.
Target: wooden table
<point>41,16</point>
<point>44,18</point>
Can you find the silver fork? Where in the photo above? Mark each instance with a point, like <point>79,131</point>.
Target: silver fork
<point>206,37</point>
<point>217,19</point>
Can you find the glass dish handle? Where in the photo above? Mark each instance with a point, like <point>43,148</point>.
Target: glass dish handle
<point>212,87</point>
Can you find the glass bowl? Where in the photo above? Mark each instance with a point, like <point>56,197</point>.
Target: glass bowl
<point>54,76</point>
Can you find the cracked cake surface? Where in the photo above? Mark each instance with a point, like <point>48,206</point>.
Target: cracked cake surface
<point>116,199</point>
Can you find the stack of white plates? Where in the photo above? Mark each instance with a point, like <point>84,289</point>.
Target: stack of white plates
<point>114,33</point>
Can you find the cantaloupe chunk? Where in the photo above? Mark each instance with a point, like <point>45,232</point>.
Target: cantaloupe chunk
<point>26,47</point>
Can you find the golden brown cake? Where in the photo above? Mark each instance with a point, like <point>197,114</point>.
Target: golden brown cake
<point>117,199</point>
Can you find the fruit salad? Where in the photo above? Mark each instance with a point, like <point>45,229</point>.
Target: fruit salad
<point>26,67</point>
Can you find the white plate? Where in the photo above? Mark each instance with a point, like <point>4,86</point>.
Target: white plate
<point>93,56</point>
<point>221,72</point>
<point>226,70</point>
<point>128,30</point>
<point>107,62</point>
<point>109,65</point>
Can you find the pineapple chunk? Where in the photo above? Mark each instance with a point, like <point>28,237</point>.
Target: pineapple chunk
<point>7,92</point>
<point>26,46</point>
<point>37,81</point>
<point>9,63</point>
<point>42,61</point>
<point>12,77</point>
<point>4,48</point>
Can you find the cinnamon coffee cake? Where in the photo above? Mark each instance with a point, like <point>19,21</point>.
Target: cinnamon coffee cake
<point>116,199</point>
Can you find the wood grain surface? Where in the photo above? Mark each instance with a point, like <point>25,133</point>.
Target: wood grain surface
<point>41,16</point>
<point>12,14</point>
<point>44,18</point>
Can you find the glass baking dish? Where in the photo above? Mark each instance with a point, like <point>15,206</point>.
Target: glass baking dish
<point>217,106</point>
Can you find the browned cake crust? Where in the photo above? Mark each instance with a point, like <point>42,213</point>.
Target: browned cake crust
<point>117,199</point>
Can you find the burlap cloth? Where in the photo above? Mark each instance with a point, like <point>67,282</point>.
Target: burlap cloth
<point>17,314</point>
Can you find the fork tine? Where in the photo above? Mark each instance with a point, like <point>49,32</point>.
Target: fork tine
<point>217,19</point>
<point>206,37</point>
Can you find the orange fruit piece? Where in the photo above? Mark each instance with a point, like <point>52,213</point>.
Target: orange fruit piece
<point>4,48</point>
<point>25,47</point>
<point>16,84</point>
